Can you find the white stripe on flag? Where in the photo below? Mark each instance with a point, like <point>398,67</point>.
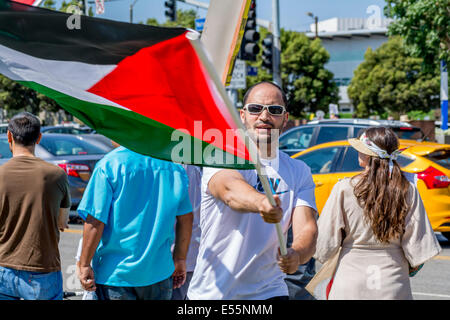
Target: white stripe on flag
<point>68,77</point>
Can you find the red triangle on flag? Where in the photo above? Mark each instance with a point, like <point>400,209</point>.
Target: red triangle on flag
<point>29,2</point>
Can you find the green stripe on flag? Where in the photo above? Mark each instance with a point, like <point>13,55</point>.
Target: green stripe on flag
<point>142,134</point>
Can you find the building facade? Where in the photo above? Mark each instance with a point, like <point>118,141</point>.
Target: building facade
<point>347,40</point>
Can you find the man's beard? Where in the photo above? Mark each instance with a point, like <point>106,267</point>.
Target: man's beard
<point>263,140</point>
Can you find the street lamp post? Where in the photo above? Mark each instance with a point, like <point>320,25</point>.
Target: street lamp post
<point>276,55</point>
<point>131,10</point>
<point>316,23</point>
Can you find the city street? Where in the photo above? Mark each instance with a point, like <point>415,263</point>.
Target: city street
<point>431,283</point>
<point>329,108</point>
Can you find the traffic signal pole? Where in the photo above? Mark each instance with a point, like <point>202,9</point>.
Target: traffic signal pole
<point>276,42</point>
<point>267,53</point>
<point>171,10</point>
<point>249,45</point>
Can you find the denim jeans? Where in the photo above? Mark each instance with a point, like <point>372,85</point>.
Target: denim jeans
<point>297,281</point>
<point>157,291</point>
<point>28,285</point>
<point>181,293</point>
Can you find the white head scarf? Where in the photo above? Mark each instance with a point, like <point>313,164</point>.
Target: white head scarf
<point>380,152</point>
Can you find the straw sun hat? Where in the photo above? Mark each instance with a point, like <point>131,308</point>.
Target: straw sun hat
<point>360,146</point>
<point>366,146</point>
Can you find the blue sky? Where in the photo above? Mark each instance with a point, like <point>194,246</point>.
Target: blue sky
<point>292,12</point>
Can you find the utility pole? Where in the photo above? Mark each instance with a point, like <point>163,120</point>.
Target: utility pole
<point>85,8</point>
<point>131,10</point>
<point>316,23</point>
<point>276,43</point>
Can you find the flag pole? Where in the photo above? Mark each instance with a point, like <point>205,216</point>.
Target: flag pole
<point>251,146</point>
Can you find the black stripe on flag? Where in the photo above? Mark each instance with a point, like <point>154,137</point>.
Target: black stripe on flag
<point>43,33</point>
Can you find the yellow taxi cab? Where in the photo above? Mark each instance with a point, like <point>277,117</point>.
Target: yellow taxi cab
<point>430,162</point>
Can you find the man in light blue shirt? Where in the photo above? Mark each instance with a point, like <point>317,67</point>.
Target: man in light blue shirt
<point>130,206</point>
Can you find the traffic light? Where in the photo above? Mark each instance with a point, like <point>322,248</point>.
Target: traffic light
<point>171,11</point>
<point>267,52</point>
<point>249,45</point>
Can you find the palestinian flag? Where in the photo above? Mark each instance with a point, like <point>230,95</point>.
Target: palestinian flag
<point>150,89</point>
<point>29,2</point>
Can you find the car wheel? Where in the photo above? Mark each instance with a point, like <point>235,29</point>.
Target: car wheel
<point>447,235</point>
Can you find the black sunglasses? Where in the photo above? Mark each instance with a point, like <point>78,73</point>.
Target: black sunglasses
<point>257,108</point>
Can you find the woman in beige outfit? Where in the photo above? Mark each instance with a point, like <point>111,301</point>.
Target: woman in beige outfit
<point>379,220</point>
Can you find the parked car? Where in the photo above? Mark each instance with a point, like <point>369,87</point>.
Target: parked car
<point>97,139</point>
<point>83,132</point>
<point>321,131</point>
<point>332,161</point>
<point>67,129</point>
<point>75,156</point>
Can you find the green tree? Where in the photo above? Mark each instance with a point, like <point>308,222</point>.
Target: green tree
<point>50,4</point>
<point>185,19</point>
<point>425,26</point>
<point>15,98</point>
<point>308,85</point>
<point>391,80</point>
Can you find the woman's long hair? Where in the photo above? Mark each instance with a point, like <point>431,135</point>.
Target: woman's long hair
<point>383,195</point>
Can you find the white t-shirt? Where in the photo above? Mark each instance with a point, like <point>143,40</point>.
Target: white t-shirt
<point>237,254</point>
<point>194,174</point>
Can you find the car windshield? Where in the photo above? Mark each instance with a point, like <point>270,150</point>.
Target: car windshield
<point>441,157</point>
<point>332,133</point>
<point>297,139</point>
<point>5,153</point>
<point>321,160</point>
<point>68,145</point>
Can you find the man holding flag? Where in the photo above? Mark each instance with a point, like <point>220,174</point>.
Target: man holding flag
<point>238,249</point>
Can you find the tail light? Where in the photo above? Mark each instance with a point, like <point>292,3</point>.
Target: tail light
<point>434,178</point>
<point>74,169</point>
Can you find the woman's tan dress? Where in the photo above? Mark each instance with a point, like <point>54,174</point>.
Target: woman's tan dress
<point>368,269</point>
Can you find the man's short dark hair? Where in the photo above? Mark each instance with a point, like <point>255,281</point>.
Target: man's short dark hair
<point>285,101</point>
<point>25,128</point>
